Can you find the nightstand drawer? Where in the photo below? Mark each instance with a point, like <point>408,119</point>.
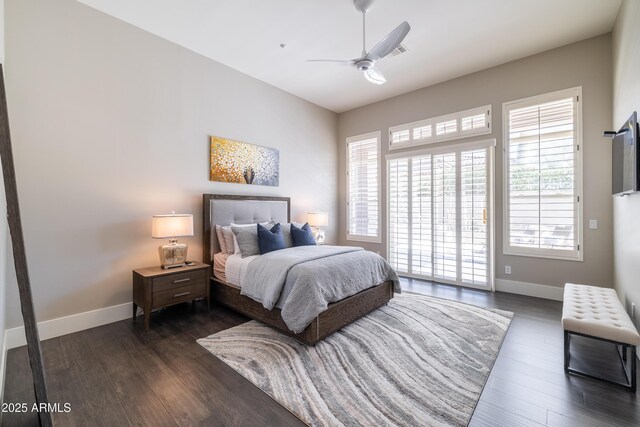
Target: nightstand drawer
<point>181,294</point>
<point>178,280</point>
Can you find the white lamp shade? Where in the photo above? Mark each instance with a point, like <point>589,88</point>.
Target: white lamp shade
<point>175,225</point>
<point>318,219</point>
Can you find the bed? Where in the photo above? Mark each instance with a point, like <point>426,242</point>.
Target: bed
<point>227,209</point>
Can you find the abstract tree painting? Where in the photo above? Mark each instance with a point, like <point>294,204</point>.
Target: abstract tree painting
<point>242,163</point>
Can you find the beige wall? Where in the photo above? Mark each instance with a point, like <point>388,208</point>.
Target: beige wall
<point>110,126</point>
<point>626,99</point>
<point>583,64</point>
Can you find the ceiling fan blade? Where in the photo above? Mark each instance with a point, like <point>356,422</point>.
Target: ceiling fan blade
<point>347,62</point>
<point>374,76</point>
<point>389,43</point>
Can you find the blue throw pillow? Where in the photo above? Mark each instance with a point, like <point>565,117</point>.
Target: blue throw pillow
<point>302,236</point>
<point>270,240</point>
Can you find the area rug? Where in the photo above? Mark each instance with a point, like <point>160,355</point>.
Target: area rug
<point>417,361</point>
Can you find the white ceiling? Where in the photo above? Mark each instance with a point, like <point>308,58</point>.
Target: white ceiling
<point>448,38</point>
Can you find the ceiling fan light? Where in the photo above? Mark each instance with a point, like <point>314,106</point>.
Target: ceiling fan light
<point>374,76</point>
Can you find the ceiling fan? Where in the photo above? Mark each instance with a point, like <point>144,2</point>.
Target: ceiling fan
<point>366,63</point>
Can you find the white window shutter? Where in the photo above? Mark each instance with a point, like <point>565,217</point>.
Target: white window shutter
<point>477,121</point>
<point>446,127</point>
<point>399,215</point>
<point>474,211</point>
<point>543,169</point>
<point>363,195</point>
<point>462,124</point>
<point>439,215</point>
<point>422,216</point>
<point>445,211</point>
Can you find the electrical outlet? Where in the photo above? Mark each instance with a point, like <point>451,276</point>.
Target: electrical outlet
<point>593,224</point>
<point>507,269</point>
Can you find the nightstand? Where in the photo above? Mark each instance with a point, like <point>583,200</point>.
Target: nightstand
<point>154,287</point>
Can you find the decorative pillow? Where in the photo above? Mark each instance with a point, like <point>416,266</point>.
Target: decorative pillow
<point>270,240</point>
<point>221,242</point>
<point>229,240</point>
<point>232,242</point>
<point>302,236</point>
<point>247,238</point>
<point>236,248</point>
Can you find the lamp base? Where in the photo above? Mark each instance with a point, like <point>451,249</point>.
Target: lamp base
<point>318,233</point>
<point>173,255</point>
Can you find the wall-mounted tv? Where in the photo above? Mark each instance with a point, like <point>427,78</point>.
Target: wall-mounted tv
<point>626,177</point>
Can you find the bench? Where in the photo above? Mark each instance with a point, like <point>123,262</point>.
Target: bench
<point>597,313</point>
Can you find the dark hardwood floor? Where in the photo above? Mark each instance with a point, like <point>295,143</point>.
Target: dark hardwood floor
<point>117,375</point>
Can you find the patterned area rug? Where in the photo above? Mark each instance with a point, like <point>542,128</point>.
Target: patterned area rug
<point>417,361</point>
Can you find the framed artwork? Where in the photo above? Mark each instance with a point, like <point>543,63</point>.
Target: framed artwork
<point>243,163</point>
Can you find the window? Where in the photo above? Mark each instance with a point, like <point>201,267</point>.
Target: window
<point>543,176</point>
<point>447,127</point>
<point>439,219</point>
<point>477,121</point>
<point>363,188</point>
<point>463,124</point>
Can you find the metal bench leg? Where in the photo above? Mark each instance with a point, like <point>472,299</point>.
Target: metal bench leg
<point>621,349</point>
<point>567,350</point>
<point>634,359</point>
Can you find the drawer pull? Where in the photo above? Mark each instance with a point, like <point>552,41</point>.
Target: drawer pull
<point>182,280</point>
<point>181,294</point>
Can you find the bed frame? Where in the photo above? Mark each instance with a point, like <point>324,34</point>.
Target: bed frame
<point>338,315</point>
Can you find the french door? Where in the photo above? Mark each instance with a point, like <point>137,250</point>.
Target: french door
<point>439,218</point>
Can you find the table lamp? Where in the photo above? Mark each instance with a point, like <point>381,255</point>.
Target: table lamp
<point>317,220</point>
<point>171,227</point>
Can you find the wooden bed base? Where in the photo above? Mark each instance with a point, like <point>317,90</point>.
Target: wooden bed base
<point>338,315</point>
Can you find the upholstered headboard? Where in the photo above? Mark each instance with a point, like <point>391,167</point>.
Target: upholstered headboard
<point>222,209</point>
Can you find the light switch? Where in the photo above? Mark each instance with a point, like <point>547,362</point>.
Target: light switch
<point>593,224</point>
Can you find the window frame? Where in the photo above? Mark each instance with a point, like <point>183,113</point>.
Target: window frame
<point>356,237</point>
<point>557,254</point>
<point>434,138</point>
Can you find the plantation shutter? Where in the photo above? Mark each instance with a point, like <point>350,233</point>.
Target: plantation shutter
<point>421,216</point>
<point>476,121</point>
<point>399,215</point>
<point>543,166</point>
<point>462,124</point>
<point>474,216</point>
<point>363,188</point>
<point>445,247</point>
<point>438,212</point>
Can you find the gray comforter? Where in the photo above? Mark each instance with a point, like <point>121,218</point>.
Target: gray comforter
<point>311,277</point>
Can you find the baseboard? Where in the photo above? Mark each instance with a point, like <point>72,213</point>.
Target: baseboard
<point>15,337</point>
<point>530,289</point>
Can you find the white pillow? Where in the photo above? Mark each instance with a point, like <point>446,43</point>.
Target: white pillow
<point>228,239</point>
<point>220,236</point>
<point>236,248</point>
